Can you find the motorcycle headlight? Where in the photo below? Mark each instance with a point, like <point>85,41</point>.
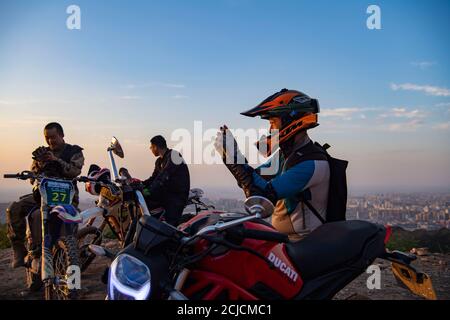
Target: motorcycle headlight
<point>129,279</point>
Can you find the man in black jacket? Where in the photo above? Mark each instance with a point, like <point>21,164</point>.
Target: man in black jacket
<point>170,182</point>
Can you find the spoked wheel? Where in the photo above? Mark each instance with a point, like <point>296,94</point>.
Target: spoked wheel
<point>65,255</point>
<point>85,237</point>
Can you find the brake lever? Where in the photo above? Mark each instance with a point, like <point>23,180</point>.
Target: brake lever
<point>25,175</point>
<point>82,179</point>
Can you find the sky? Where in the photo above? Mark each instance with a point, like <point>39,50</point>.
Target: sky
<point>140,68</point>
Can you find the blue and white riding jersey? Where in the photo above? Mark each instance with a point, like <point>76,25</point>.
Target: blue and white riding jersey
<point>309,177</point>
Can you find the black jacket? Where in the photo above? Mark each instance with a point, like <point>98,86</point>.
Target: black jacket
<point>170,180</point>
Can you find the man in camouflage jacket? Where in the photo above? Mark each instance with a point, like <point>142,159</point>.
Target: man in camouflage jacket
<point>59,160</point>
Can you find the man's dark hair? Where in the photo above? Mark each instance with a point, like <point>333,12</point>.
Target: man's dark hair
<point>159,141</point>
<point>55,125</point>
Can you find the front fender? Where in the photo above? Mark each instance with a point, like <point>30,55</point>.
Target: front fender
<point>67,213</point>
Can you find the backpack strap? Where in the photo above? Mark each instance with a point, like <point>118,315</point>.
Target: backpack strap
<point>313,210</point>
<point>311,151</point>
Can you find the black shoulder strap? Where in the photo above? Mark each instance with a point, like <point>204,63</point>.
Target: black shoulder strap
<point>313,210</point>
<point>312,151</point>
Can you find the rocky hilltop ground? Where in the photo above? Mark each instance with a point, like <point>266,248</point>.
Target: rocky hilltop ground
<point>434,264</point>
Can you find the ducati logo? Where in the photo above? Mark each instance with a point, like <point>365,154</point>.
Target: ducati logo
<point>283,267</point>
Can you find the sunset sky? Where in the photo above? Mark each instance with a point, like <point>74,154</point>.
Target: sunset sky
<point>137,69</point>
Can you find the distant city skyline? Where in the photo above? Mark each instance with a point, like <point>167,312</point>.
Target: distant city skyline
<point>139,69</point>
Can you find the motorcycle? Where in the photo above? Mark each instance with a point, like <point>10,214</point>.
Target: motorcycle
<point>195,199</point>
<point>120,204</point>
<point>52,259</point>
<point>239,256</point>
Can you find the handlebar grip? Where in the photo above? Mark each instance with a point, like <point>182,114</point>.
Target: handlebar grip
<point>11,176</point>
<point>265,235</point>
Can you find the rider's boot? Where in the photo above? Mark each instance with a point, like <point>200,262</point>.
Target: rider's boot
<point>19,254</point>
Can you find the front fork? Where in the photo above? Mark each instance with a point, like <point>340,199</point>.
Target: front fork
<point>47,271</point>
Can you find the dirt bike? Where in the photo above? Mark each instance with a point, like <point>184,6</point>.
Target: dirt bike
<point>52,259</point>
<point>116,206</point>
<point>120,204</point>
<point>239,256</point>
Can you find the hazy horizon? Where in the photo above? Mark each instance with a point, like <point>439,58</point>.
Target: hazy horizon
<point>236,193</point>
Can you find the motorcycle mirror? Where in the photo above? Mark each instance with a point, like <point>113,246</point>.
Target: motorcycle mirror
<point>258,204</point>
<point>116,148</point>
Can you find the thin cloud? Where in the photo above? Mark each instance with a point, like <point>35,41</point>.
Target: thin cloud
<point>30,120</point>
<point>155,84</point>
<point>180,96</point>
<point>429,90</point>
<point>404,113</point>
<point>442,126</point>
<point>18,102</point>
<point>410,126</point>
<point>442,104</point>
<point>423,64</point>
<point>173,85</point>
<point>24,102</point>
<point>345,113</point>
<point>129,97</point>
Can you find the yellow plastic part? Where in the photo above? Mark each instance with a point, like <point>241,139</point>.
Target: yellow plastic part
<point>417,282</point>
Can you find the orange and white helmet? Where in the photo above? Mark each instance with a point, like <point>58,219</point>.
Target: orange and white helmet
<point>298,112</point>
<point>98,175</point>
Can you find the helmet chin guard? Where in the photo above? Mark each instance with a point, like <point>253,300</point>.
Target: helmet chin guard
<point>267,145</point>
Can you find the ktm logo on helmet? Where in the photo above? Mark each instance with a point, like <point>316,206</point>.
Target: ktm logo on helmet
<point>301,99</point>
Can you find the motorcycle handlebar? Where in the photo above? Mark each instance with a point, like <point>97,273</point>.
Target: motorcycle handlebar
<point>24,175</point>
<point>11,176</point>
<point>85,179</point>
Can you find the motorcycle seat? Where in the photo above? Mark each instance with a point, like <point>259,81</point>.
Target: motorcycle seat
<point>331,245</point>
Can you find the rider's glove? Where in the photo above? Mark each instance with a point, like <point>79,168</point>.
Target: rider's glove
<point>227,147</point>
<point>236,163</point>
<point>40,154</point>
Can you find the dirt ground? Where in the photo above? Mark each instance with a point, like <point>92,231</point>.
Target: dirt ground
<point>435,265</point>
<point>12,282</point>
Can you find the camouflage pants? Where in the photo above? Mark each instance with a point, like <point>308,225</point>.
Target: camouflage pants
<point>15,217</point>
<point>16,214</point>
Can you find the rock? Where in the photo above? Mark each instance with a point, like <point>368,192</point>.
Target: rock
<point>420,251</point>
